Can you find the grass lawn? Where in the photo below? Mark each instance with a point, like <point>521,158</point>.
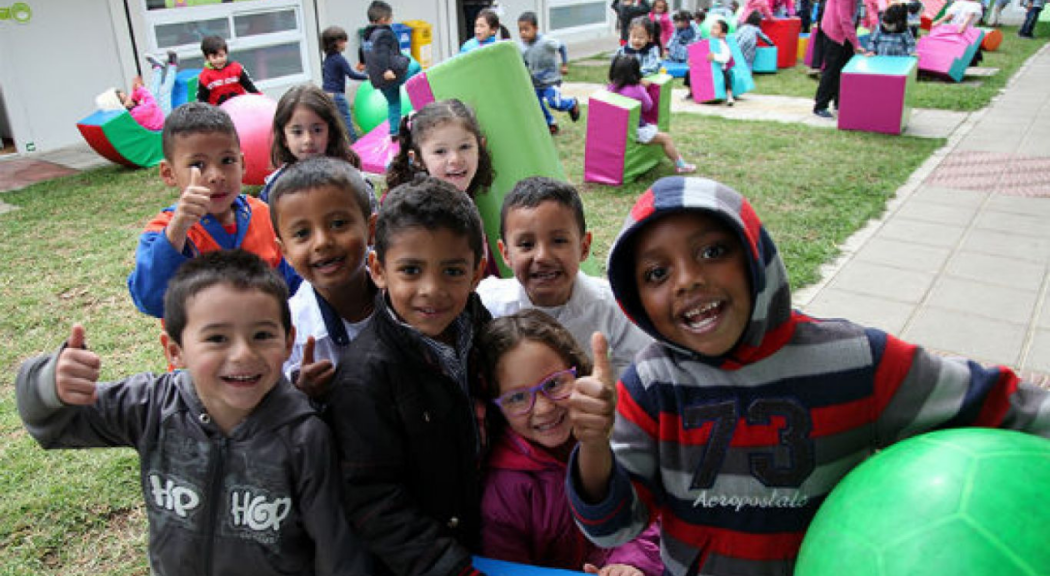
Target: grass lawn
<point>65,255</point>
<point>971,94</point>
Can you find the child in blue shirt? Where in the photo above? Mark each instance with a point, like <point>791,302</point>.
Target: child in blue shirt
<point>334,70</point>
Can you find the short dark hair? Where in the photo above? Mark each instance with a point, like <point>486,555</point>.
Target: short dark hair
<point>532,191</point>
<point>529,17</point>
<point>195,118</point>
<point>212,44</point>
<point>378,10</point>
<point>330,37</point>
<point>682,16</point>
<point>319,172</point>
<point>646,24</point>
<point>238,268</point>
<point>429,203</point>
<point>754,18</point>
<point>625,70</point>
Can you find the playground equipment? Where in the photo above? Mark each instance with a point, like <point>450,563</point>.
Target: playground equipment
<point>784,34</point>
<point>946,53</point>
<point>963,501</point>
<point>370,109</point>
<point>705,77</point>
<point>612,154</point>
<point>252,115</point>
<point>765,60</point>
<point>873,93</point>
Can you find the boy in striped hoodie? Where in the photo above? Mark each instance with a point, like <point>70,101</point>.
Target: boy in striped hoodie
<point>735,425</point>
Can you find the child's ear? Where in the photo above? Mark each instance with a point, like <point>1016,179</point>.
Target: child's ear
<point>585,246</point>
<point>167,173</point>
<point>281,246</point>
<point>503,251</point>
<point>479,272</point>
<point>172,350</point>
<point>376,268</point>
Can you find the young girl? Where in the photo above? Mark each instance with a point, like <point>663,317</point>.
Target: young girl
<point>748,35</point>
<point>661,17</point>
<point>723,57</point>
<point>443,139</point>
<point>486,27</point>
<point>625,78</point>
<point>307,124</point>
<point>640,45</point>
<point>335,71</point>
<point>892,37</point>
<point>148,106</point>
<point>531,363</point>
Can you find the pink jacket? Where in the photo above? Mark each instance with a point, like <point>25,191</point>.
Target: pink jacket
<point>525,515</point>
<point>761,6</point>
<point>837,23</point>
<point>146,111</point>
<point>666,27</point>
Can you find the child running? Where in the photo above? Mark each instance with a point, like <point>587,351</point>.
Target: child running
<point>408,412</point>
<point>324,223</point>
<point>387,67</point>
<point>306,124</point>
<point>539,51</point>
<point>221,78</point>
<point>443,139</point>
<point>739,421</point>
<point>533,364</point>
<point>237,470</point>
<point>641,45</point>
<point>486,29</point>
<point>335,70</point>
<point>625,78</point>
<point>203,159</point>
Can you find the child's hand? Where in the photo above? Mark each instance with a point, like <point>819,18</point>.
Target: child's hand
<point>646,83</point>
<point>314,377</point>
<point>710,56</point>
<point>612,570</point>
<point>360,66</point>
<point>592,405</point>
<point>389,75</point>
<point>564,69</point>
<point>869,53</point>
<point>192,206</point>
<point>76,371</point>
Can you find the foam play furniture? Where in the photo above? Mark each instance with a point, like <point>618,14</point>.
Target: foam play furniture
<point>765,60</point>
<point>873,94</point>
<point>810,44</point>
<point>803,45</point>
<point>376,149</point>
<point>496,85</point>
<point>784,33</point>
<point>993,37</point>
<point>946,53</point>
<point>675,69</point>
<point>863,35</point>
<point>706,79</point>
<point>612,154</point>
<point>117,137</point>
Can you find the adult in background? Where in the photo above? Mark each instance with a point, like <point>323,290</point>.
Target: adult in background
<point>840,44</point>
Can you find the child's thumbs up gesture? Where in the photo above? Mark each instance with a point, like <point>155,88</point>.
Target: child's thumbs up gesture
<point>314,377</point>
<point>76,371</point>
<point>192,206</point>
<point>592,408</point>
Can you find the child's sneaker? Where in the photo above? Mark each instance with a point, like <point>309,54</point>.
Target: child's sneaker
<point>682,168</point>
<point>554,129</point>
<point>173,58</point>
<point>574,112</point>
<point>154,61</point>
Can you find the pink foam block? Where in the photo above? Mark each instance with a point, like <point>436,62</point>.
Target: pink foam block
<point>376,149</point>
<point>607,134</point>
<point>418,89</point>
<point>945,52</point>
<point>784,33</point>
<point>873,93</point>
<point>808,59</point>
<point>701,73</point>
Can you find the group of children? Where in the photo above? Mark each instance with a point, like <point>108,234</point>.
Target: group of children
<point>352,394</point>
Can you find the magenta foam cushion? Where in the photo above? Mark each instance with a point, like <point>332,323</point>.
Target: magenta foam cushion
<point>418,90</point>
<point>873,91</point>
<point>701,77</point>
<point>376,149</point>
<point>607,132</point>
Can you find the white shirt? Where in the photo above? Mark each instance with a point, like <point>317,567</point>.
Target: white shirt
<point>309,321</point>
<point>591,308</point>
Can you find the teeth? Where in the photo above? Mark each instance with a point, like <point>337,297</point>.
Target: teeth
<point>545,275</point>
<point>329,262</point>
<point>241,378</point>
<point>699,310</point>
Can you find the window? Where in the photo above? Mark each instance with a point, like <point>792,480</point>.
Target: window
<point>576,14</point>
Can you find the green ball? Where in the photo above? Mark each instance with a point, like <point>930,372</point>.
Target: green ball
<point>965,501</point>
<point>370,105</point>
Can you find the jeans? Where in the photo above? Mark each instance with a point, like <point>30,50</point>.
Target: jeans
<point>392,94</point>
<point>551,96</point>
<point>160,86</point>
<point>343,106</point>
<point>1028,28</point>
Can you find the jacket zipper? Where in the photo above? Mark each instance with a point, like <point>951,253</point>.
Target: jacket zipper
<point>215,505</point>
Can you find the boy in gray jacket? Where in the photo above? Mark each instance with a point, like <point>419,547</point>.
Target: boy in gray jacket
<point>539,53</point>
<point>237,470</point>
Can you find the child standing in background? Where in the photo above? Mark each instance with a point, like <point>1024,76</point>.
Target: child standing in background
<point>306,124</point>
<point>748,35</point>
<point>221,78</point>
<point>533,364</point>
<point>486,30</point>
<point>892,38</point>
<point>387,67</point>
<point>723,57</point>
<point>685,33</point>
<point>625,78</point>
<point>335,70</point>
<point>626,12</point>
<point>538,52</point>
<point>661,19</point>
<point>641,45</point>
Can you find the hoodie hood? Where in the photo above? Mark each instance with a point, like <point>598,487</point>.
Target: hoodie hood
<point>771,317</point>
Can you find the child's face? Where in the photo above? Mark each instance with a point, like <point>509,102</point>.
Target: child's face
<point>544,247</point>
<point>482,30</point>
<point>522,367</point>
<point>718,29</point>
<point>638,38</point>
<point>428,276</point>
<point>527,32</point>
<point>217,60</point>
<point>449,152</point>
<point>306,133</point>
<point>340,45</point>
<point>681,24</point>
<point>325,237</point>
<point>659,6</point>
<point>234,346</point>
<point>693,282</point>
<point>218,157</point>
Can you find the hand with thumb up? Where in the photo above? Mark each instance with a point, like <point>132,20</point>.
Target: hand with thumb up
<point>592,409</point>
<point>192,206</point>
<point>77,370</point>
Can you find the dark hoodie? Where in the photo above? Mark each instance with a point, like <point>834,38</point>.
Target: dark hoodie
<point>793,406</point>
<point>381,52</point>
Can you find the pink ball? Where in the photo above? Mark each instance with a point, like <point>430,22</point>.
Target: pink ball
<point>252,115</point>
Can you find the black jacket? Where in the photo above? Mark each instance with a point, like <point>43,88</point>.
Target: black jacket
<point>410,445</point>
<point>381,52</point>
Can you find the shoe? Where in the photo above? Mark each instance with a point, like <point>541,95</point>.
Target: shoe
<point>173,58</point>
<point>824,113</point>
<point>574,113</point>
<point>688,96</point>
<point>730,102</point>
<point>154,61</point>
<point>685,168</point>
<point>554,129</point>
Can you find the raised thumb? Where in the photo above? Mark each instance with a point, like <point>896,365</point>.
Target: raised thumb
<point>308,351</point>
<point>602,367</point>
<point>77,337</point>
